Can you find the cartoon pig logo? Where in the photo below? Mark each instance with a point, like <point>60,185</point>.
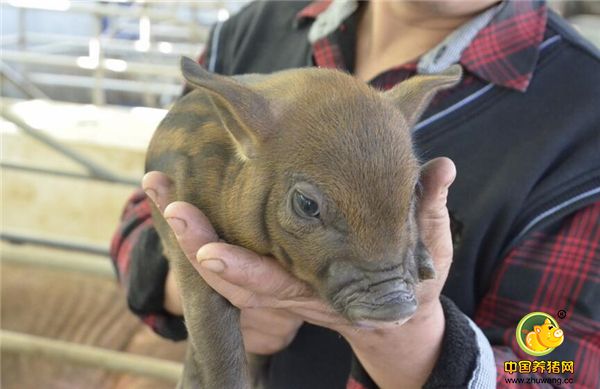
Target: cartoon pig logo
<point>544,337</point>
<point>539,334</point>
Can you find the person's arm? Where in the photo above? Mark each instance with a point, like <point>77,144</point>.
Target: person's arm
<point>557,269</point>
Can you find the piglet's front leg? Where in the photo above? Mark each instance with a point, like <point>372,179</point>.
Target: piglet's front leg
<point>215,356</point>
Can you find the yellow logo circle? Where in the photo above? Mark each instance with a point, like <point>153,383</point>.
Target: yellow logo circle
<point>539,334</point>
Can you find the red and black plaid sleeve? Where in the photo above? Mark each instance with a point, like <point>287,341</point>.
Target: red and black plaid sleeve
<point>555,269</point>
<point>137,255</point>
<point>134,219</point>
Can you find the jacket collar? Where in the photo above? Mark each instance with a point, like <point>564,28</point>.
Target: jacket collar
<point>504,51</point>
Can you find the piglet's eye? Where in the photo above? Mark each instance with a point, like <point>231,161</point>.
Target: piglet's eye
<point>305,206</point>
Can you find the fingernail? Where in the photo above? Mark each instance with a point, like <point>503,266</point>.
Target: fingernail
<point>215,265</point>
<point>177,225</point>
<point>151,193</point>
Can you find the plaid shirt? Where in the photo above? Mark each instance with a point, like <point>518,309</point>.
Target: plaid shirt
<point>561,263</point>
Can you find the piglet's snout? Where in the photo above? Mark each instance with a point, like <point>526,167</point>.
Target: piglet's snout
<point>386,300</point>
<point>373,291</point>
<point>388,292</point>
<point>391,307</point>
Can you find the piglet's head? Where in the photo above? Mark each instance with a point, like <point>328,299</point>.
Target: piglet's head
<point>334,180</point>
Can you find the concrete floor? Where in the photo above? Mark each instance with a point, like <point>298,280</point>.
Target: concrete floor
<point>77,308</point>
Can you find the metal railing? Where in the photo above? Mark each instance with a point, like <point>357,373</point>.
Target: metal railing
<point>100,267</point>
<point>114,361</point>
<point>95,171</point>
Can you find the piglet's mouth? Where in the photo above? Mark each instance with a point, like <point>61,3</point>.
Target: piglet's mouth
<point>397,306</point>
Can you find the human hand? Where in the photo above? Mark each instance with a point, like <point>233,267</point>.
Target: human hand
<point>265,331</point>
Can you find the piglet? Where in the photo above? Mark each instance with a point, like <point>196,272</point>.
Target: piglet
<point>310,166</point>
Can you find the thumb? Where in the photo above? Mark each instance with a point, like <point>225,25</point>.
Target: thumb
<point>432,215</point>
<point>436,177</point>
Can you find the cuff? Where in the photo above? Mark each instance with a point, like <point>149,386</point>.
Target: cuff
<point>460,353</point>
<point>148,270</point>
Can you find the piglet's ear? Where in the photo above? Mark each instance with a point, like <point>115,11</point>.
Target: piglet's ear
<point>413,95</point>
<point>243,112</point>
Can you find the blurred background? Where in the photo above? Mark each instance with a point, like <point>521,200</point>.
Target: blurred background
<point>83,86</point>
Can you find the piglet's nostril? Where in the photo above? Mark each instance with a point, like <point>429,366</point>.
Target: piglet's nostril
<point>397,296</point>
<point>406,296</point>
<point>558,333</point>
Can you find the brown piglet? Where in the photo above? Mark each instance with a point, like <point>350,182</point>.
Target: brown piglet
<point>310,166</point>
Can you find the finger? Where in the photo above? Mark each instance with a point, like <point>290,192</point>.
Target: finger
<point>259,274</point>
<point>191,227</point>
<point>158,187</point>
<point>432,215</point>
<point>310,309</point>
<point>237,296</point>
<point>249,280</point>
<point>436,177</point>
